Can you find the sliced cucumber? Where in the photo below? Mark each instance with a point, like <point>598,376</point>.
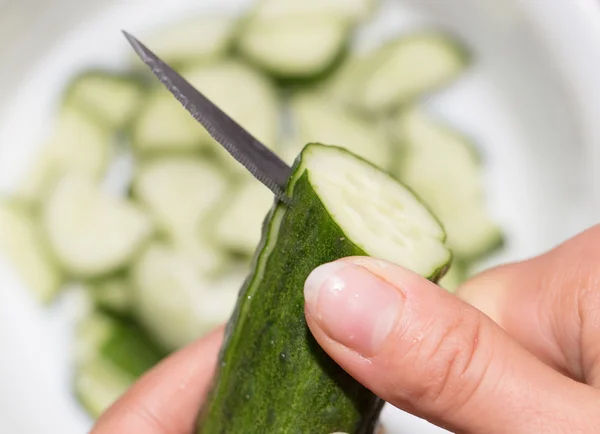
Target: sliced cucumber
<point>90,232</point>
<point>405,68</point>
<point>174,301</point>
<point>23,245</point>
<point>351,10</point>
<point>456,275</point>
<point>240,91</point>
<point>342,206</point>
<point>295,47</point>
<point>238,223</point>
<point>180,192</point>
<point>78,143</point>
<point>192,40</point>
<point>113,295</point>
<point>164,126</point>
<point>317,118</point>
<point>110,355</point>
<point>443,167</point>
<point>113,98</point>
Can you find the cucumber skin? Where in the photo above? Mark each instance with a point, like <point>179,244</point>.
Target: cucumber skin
<point>272,375</point>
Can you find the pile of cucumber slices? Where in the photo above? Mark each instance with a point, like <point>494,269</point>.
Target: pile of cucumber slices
<point>131,199</point>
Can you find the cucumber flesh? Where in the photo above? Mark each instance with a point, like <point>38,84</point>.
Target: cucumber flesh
<point>113,295</point>
<point>285,49</point>
<point>342,206</point>
<point>78,143</point>
<point>193,40</point>
<point>351,10</point>
<point>175,302</point>
<point>237,225</point>
<point>245,95</point>
<point>180,193</point>
<point>456,275</point>
<point>317,118</point>
<point>240,91</point>
<point>455,192</point>
<point>111,354</point>
<point>23,245</point>
<point>404,69</point>
<point>164,126</point>
<point>90,232</point>
<point>114,99</point>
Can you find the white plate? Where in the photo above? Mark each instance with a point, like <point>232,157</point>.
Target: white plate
<point>529,100</point>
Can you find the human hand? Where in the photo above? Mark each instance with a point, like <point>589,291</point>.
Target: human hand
<point>531,365</point>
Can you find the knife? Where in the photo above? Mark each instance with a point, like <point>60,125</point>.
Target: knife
<point>259,160</point>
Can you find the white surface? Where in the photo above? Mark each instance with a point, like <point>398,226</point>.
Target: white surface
<point>532,102</point>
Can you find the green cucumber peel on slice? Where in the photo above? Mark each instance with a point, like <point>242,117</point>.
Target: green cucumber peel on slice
<point>272,375</point>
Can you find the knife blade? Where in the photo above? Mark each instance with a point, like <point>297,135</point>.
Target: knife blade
<point>259,160</point>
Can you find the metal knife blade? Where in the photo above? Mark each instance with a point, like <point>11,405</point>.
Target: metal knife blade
<point>259,160</point>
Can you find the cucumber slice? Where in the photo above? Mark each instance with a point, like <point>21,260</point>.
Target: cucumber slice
<point>238,223</point>
<point>110,355</point>
<point>180,192</point>
<point>295,47</point>
<point>456,275</point>
<point>443,167</point>
<point>113,98</point>
<point>23,245</point>
<point>193,39</point>
<point>78,144</point>
<point>351,10</point>
<point>342,206</point>
<point>317,118</point>
<point>113,295</point>
<point>90,232</point>
<point>164,126</point>
<point>175,302</point>
<point>245,95</point>
<point>406,68</point>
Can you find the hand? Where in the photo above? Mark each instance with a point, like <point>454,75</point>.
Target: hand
<point>518,351</point>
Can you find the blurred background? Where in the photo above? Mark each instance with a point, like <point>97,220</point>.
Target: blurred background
<point>125,232</point>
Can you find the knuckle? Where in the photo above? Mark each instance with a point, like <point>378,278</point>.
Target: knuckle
<point>452,361</point>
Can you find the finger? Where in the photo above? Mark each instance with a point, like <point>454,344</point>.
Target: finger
<point>429,353</point>
<point>549,304</point>
<point>166,400</point>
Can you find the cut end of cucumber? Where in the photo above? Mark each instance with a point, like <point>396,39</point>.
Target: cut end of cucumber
<point>377,213</point>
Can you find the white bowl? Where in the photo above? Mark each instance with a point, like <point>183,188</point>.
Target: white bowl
<point>533,100</point>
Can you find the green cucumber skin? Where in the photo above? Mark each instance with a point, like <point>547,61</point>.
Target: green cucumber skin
<point>273,376</point>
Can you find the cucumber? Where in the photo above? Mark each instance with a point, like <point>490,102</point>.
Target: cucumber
<point>238,89</point>
<point>193,40</point>
<point>456,275</point>
<point>174,301</point>
<point>317,118</point>
<point>110,355</point>
<point>405,68</point>
<point>237,223</point>
<point>180,192</point>
<point>350,10</point>
<point>444,168</point>
<point>90,232</point>
<point>113,295</point>
<point>114,98</point>
<point>272,374</point>
<point>285,49</point>
<point>23,245</point>
<point>78,143</point>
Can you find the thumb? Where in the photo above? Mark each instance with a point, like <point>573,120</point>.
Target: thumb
<point>429,353</point>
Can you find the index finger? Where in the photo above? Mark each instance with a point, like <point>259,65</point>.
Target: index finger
<point>166,400</point>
